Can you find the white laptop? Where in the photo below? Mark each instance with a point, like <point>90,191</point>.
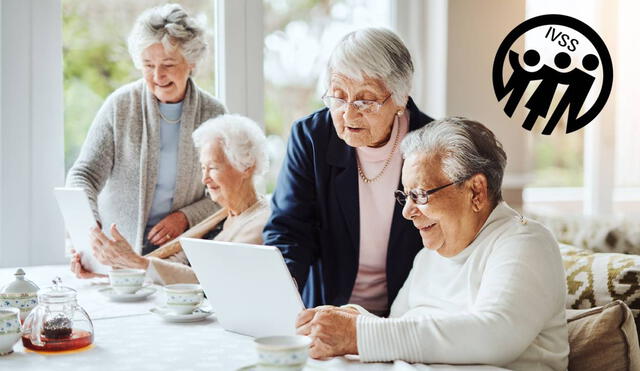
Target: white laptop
<point>248,286</point>
<point>78,219</point>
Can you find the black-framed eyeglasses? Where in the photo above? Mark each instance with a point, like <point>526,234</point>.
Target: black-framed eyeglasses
<point>420,196</point>
<point>362,105</point>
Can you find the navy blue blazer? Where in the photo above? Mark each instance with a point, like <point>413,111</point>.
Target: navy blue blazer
<point>315,220</point>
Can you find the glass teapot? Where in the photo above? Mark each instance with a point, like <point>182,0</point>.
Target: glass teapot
<point>58,322</point>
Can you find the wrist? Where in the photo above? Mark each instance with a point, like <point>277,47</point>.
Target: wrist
<point>354,346</point>
<point>183,218</point>
<point>143,263</point>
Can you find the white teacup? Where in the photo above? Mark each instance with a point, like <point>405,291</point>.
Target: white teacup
<point>10,329</point>
<point>282,352</point>
<point>126,281</point>
<point>183,298</point>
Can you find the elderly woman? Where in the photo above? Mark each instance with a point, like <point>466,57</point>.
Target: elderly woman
<point>138,156</point>
<point>488,288</point>
<point>334,216</point>
<point>232,153</point>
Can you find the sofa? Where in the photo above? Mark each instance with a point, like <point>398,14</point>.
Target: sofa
<point>601,257</point>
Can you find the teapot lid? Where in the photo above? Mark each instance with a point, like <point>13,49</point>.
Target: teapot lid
<point>56,293</point>
<point>20,285</point>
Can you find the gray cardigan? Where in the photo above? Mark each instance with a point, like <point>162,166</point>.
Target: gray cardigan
<point>118,164</point>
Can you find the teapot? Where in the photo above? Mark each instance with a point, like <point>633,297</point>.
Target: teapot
<point>57,323</point>
<point>20,293</point>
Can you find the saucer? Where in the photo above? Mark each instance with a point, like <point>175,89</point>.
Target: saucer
<point>136,296</point>
<point>198,314</point>
<point>306,367</point>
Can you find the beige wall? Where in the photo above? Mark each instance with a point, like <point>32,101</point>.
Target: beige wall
<point>475,30</point>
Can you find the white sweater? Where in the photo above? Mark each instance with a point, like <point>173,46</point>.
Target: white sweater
<point>498,302</point>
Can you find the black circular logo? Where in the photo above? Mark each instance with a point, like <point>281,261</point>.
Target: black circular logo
<point>579,60</point>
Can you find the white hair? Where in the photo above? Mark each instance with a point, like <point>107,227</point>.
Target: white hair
<point>170,25</point>
<point>376,53</point>
<point>465,148</point>
<point>243,141</point>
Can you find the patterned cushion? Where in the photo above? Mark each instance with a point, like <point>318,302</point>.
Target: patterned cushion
<point>595,279</point>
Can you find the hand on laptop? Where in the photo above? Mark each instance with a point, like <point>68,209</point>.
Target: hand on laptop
<point>332,330</point>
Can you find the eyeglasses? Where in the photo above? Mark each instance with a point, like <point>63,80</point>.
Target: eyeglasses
<point>420,196</point>
<point>363,106</point>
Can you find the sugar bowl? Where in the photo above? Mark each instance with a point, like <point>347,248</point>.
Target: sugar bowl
<point>20,293</point>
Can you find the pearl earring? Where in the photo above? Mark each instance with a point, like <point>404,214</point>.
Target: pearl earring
<point>400,113</point>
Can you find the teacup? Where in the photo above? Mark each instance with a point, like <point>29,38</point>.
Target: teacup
<point>126,281</point>
<point>183,298</point>
<point>282,352</point>
<point>10,330</point>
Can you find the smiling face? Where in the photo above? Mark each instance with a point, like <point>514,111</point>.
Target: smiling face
<point>218,175</point>
<point>166,73</point>
<point>362,129</point>
<point>449,222</point>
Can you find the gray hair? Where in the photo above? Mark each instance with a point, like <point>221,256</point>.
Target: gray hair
<point>466,148</point>
<point>170,25</point>
<point>376,53</point>
<point>243,141</point>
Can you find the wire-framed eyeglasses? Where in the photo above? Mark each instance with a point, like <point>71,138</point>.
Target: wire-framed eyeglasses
<point>362,105</point>
<point>420,196</point>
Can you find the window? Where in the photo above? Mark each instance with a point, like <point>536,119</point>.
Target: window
<point>96,60</point>
<point>299,37</point>
<point>626,197</point>
<point>597,173</point>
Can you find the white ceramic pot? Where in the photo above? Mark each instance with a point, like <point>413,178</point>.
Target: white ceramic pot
<point>23,302</point>
<point>21,294</point>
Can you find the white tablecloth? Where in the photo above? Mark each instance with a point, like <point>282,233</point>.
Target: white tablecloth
<point>128,337</point>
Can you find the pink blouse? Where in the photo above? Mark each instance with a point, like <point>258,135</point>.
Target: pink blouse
<point>377,203</point>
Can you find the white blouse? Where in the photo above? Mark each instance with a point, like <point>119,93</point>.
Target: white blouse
<point>498,302</point>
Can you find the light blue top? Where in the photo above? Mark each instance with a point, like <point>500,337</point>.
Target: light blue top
<point>167,163</point>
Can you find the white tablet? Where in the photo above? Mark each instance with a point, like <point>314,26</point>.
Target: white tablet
<point>78,219</point>
<point>248,286</point>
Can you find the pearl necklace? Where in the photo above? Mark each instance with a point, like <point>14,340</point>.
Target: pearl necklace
<point>386,163</point>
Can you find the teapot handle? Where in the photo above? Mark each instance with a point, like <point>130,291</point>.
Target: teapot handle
<point>36,328</point>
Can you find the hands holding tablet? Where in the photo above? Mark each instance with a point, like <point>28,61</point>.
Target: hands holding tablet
<point>79,270</point>
<point>116,251</point>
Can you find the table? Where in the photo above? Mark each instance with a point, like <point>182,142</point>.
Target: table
<point>128,337</point>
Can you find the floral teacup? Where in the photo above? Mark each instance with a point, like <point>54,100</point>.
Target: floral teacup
<point>126,281</point>
<point>282,352</point>
<point>10,329</point>
<point>183,298</point>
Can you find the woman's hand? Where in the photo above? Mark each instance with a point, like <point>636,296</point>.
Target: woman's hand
<point>80,271</point>
<point>168,228</point>
<point>116,252</point>
<point>332,330</point>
